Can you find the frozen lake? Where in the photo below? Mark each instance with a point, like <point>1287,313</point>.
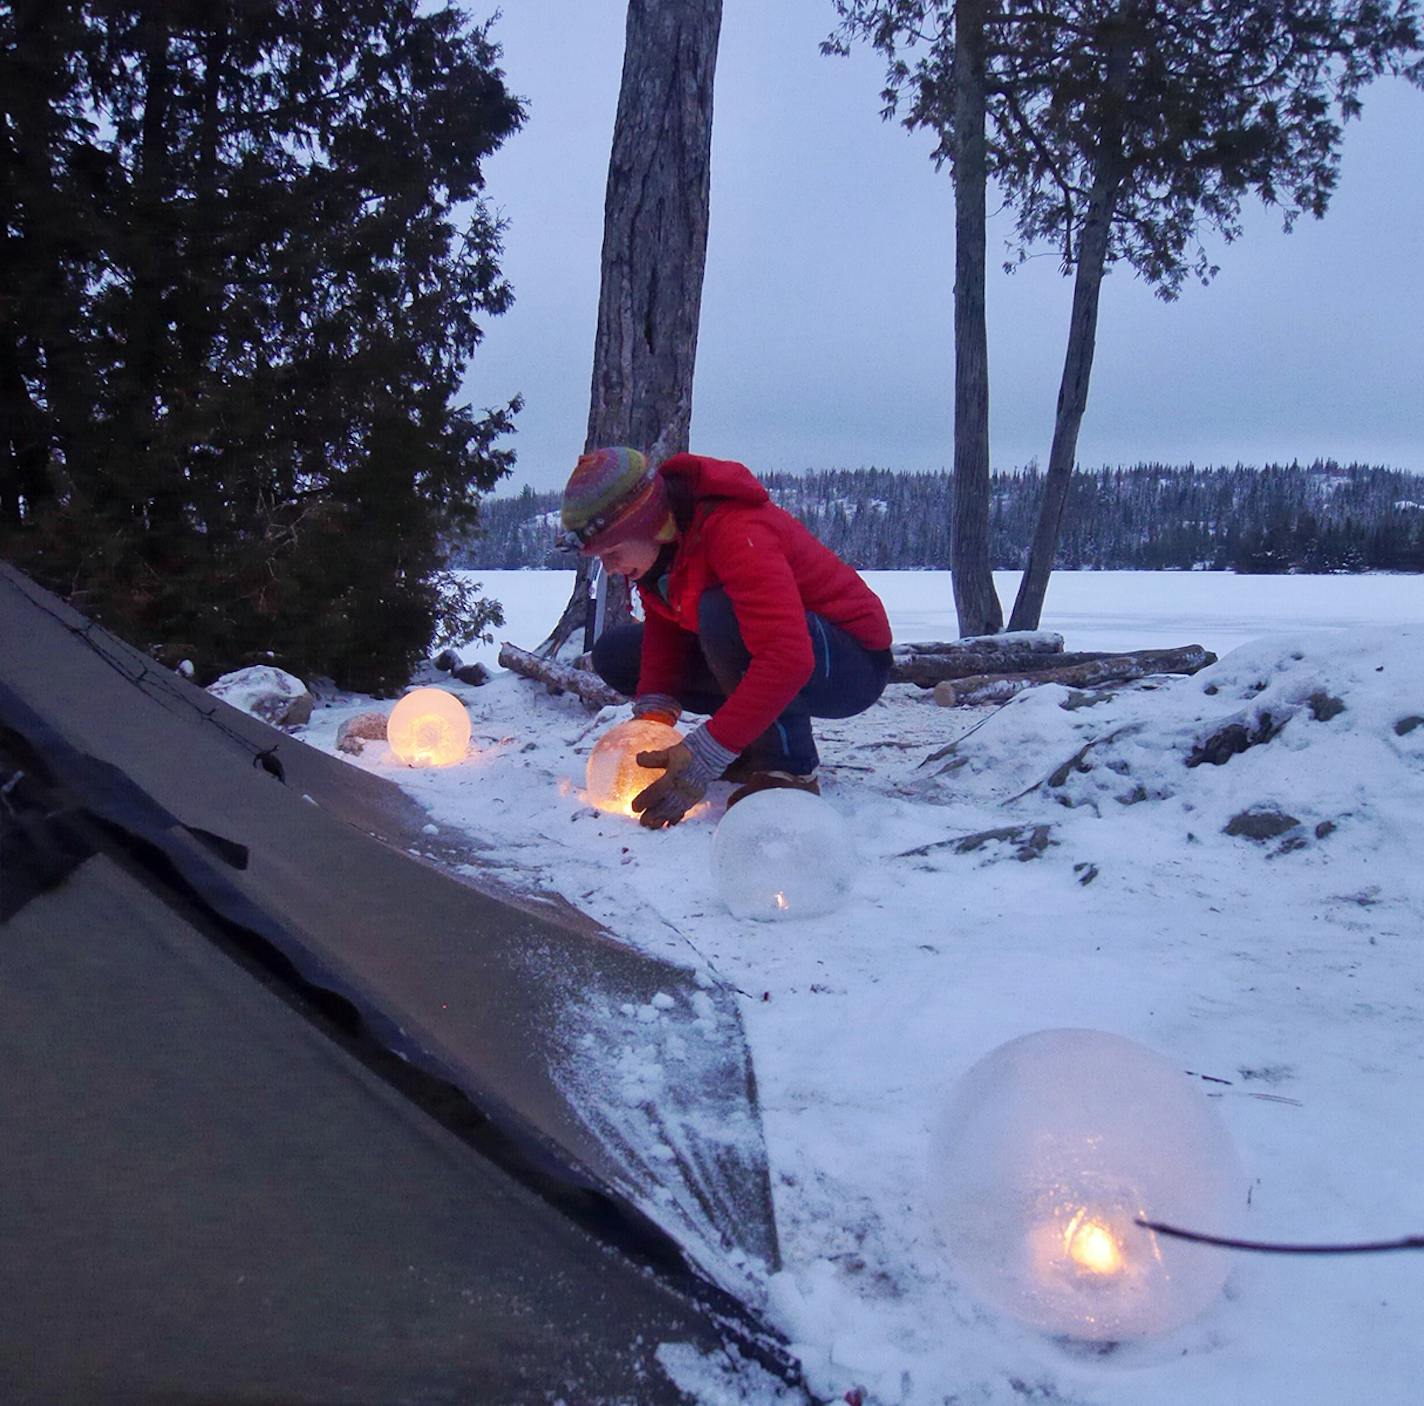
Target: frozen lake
<point>1091,609</point>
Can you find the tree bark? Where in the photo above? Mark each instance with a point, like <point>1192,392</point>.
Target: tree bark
<point>24,443</point>
<point>1115,668</point>
<point>654,251</point>
<point>1082,344</point>
<point>559,677</point>
<point>975,601</point>
<point>926,670</point>
<point>1027,642</point>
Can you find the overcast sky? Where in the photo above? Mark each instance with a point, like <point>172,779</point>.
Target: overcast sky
<point>826,311</point>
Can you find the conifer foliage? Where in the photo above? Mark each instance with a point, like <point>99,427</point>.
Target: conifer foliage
<point>1320,517</point>
<point>246,263</point>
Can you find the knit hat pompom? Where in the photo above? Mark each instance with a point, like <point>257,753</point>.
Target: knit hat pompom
<point>613,496</point>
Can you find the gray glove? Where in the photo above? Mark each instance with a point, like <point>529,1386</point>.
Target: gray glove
<point>658,707</point>
<point>692,765</point>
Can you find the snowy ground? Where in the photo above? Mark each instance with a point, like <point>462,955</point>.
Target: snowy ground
<point>1290,969</point>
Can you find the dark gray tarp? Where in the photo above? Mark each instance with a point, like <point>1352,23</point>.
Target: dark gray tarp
<point>150,1035</point>
<point>204,1199</point>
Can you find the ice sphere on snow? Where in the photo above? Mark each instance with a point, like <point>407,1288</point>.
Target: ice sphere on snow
<point>613,776</point>
<point>429,727</point>
<point>781,854</point>
<point>1052,1147</point>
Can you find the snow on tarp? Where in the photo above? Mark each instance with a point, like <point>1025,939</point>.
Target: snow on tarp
<point>665,1085</point>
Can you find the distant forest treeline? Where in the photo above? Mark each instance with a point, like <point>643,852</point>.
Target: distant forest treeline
<point>1322,517</point>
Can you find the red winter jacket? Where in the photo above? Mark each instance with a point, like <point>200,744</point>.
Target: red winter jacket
<point>773,571</point>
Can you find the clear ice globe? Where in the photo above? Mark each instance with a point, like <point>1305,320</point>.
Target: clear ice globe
<point>613,776</point>
<point>782,854</point>
<point>1051,1149</point>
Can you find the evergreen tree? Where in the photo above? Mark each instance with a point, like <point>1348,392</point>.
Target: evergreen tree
<point>1326,517</point>
<point>255,266</point>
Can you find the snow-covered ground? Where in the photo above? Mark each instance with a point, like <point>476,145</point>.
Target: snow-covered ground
<point>1286,973</point>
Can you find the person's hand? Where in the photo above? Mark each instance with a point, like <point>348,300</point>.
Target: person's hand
<point>676,791</point>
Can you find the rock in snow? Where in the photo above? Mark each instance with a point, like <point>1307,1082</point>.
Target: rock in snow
<point>269,693</point>
<point>364,727</point>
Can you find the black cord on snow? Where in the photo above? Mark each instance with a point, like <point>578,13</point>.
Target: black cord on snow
<point>1269,1247</point>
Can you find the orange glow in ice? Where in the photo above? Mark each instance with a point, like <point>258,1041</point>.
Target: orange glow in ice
<point>614,777</point>
<point>429,727</point>
<point>1091,1245</point>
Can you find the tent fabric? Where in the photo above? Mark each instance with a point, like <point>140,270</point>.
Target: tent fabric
<point>202,1198</point>
<point>509,1005</point>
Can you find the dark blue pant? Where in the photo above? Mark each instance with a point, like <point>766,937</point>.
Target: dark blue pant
<point>846,680</point>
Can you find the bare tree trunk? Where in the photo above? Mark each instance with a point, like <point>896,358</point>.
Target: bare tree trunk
<point>654,250</point>
<point>975,600</point>
<point>1078,359</point>
<point>1072,402</point>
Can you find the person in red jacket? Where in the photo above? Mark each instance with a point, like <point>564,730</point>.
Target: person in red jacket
<point>748,618</point>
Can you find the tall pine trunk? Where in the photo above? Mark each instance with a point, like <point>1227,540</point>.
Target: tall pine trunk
<point>1072,402</point>
<point>975,600</point>
<point>1082,338</point>
<point>654,251</point>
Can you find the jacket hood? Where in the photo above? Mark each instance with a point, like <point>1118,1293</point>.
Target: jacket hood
<point>716,478</point>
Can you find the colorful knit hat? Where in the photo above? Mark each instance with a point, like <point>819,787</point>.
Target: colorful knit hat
<point>611,496</point>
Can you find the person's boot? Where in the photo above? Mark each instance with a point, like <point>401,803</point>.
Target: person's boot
<point>771,781</point>
<point>740,768</point>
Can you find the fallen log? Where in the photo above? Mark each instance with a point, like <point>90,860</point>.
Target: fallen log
<point>1115,668</point>
<point>926,670</point>
<point>560,678</point>
<point>1010,642</point>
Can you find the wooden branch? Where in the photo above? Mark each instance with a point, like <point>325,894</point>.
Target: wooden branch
<point>1116,668</point>
<point>561,678</point>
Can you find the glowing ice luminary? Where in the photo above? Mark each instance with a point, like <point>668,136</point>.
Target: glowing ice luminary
<point>429,727</point>
<point>1052,1147</point>
<point>613,776</point>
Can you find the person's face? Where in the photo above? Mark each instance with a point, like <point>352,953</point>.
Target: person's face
<point>631,558</point>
